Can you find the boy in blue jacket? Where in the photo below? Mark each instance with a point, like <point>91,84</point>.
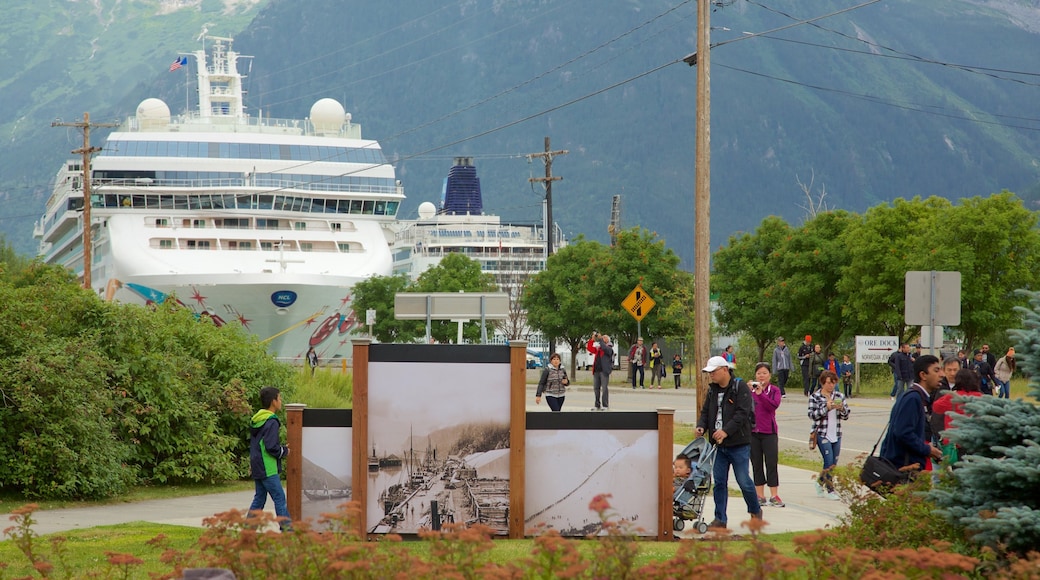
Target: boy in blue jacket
<point>265,456</point>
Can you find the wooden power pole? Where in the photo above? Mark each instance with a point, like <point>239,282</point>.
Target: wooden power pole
<point>702,201</point>
<point>547,180</point>
<point>86,151</point>
<point>550,229</point>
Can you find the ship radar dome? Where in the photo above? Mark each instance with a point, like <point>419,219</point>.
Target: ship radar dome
<point>427,210</point>
<point>153,113</point>
<point>328,115</point>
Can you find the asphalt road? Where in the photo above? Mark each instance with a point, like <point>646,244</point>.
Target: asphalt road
<point>859,433</point>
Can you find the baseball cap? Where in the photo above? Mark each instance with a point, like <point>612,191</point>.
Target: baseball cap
<point>780,339</point>
<point>716,362</point>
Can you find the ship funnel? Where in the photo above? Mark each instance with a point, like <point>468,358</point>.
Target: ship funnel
<point>461,194</point>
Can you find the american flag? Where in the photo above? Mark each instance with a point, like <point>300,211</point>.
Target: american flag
<point>178,63</point>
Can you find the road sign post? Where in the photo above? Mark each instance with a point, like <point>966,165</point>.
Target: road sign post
<point>638,303</point>
<point>932,298</point>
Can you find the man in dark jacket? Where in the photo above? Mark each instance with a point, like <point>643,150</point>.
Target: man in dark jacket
<point>985,371</point>
<point>602,365</point>
<point>727,415</point>
<point>905,442</point>
<point>265,456</point>
<point>902,370</point>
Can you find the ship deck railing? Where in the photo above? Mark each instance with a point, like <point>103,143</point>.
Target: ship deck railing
<point>234,124</point>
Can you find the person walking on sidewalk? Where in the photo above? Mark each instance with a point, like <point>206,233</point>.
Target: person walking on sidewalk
<point>781,364</point>
<point>677,370</point>
<point>553,384</point>
<point>727,416</point>
<point>827,409</point>
<point>765,448</point>
<point>265,457</point>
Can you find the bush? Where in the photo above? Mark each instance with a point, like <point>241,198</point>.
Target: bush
<point>95,396</point>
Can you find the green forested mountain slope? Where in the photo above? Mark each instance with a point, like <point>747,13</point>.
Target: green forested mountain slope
<point>864,122</point>
<point>60,59</point>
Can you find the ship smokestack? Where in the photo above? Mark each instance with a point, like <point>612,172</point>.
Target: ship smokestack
<point>462,189</point>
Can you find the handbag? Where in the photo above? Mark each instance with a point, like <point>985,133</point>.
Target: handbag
<point>880,474</point>
<point>812,439</point>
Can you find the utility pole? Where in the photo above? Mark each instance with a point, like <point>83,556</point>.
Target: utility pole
<point>702,200</point>
<point>86,152</point>
<point>547,180</point>
<point>550,229</point>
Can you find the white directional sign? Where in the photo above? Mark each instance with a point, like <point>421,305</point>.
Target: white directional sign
<point>875,349</point>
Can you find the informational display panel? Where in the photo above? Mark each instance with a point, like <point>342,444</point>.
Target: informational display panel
<point>573,457</point>
<point>327,459</point>
<point>439,433</point>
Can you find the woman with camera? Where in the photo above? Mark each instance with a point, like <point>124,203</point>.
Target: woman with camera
<point>828,408</point>
<point>765,436</point>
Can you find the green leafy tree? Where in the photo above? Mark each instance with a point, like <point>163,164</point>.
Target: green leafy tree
<point>377,293</point>
<point>562,300</point>
<point>811,264</point>
<point>455,273</point>
<point>994,243</point>
<point>882,245</point>
<point>638,257</point>
<point>992,491</point>
<point>746,276</point>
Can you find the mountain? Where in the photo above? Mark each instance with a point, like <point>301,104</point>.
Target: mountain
<point>893,99</point>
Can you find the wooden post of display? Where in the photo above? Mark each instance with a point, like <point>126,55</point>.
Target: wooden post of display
<point>360,432</point>
<point>665,434</point>
<point>294,463</point>
<point>517,435</point>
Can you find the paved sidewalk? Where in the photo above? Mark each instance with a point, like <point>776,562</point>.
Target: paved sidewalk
<point>804,511</point>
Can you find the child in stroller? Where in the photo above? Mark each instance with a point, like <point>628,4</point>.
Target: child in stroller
<point>689,495</point>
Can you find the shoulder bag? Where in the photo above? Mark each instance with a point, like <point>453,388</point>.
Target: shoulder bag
<point>880,474</point>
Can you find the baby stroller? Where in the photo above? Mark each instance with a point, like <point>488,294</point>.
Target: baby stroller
<point>688,499</point>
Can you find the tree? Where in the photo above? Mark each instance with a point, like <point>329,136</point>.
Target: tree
<point>811,264</point>
<point>515,327</point>
<point>377,293</point>
<point>881,247</point>
<point>638,257</point>
<point>992,490</point>
<point>455,273</point>
<point>994,243</point>
<point>745,275</point>
<point>562,300</point>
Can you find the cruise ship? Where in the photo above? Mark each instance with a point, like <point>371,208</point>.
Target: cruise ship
<point>267,223</point>
<point>511,252</point>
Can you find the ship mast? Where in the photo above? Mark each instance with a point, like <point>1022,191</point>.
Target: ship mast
<point>220,84</point>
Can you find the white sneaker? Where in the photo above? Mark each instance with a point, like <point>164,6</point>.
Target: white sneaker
<point>819,488</point>
<point>832,495</point>
<point>606,408</point>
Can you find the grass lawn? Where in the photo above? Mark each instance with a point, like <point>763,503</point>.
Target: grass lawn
<point>85,550</point>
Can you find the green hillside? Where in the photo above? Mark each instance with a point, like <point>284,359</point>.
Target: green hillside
<point>864,122</point>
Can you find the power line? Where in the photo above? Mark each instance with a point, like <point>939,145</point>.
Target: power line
<point>882,101</point>
<point>904,55</point>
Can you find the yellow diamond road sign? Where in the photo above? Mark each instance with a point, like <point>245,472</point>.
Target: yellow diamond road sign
<point>638,303</point>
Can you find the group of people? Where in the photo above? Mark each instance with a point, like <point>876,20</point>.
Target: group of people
<point>553,382</point>
<point>813,363</point>
<point>993,374</point>
<point>640,359</point>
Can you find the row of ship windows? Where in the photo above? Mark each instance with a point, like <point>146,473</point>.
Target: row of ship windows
<point>309,181</point>
<point>250,223</point>
<point>250,202</point>
<point>249,245</point>
<point>119,148</point>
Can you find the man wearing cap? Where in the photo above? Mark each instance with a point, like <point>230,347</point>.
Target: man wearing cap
<point>726,417</point>
<point>804,353</point>
<point>781,364</point>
